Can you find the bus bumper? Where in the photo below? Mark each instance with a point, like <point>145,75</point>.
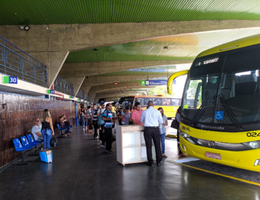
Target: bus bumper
<point>239,159</point>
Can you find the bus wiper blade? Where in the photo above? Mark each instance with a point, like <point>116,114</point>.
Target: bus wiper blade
<point>230,112</point>
<point>201,110</point>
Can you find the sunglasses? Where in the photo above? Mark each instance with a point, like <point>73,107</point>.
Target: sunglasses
<point>37,121</point>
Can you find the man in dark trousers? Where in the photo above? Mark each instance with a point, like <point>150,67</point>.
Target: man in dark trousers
<point>152,119</point>
<point>108,118</point>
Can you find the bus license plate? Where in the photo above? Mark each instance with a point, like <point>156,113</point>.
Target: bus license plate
<point>213,155</point>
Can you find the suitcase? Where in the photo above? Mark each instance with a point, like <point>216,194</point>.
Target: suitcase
<point>46,155</point>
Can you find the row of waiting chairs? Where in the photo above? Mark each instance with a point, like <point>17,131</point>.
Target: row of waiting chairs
<point>28,143</point>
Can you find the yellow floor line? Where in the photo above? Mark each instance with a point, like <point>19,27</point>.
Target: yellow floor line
<point>226,176</point>
<point>172,136</point>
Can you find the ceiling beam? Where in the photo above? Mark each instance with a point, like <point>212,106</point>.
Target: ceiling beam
<point>50,44</point>
<point>98,68</point>
<point>102,80</point>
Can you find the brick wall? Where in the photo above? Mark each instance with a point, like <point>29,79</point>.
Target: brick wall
<point>18,117</point>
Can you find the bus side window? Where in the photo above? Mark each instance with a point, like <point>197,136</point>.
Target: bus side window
<point>164,102</point>
<point>169,102</point>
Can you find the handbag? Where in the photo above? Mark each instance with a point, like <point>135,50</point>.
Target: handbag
<point>54,142</point>
<point>113,138</point>
<point>175,124</point>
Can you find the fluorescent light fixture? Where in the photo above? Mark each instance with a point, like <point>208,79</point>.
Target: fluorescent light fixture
<point>243,73</point>
<point>26,27</point>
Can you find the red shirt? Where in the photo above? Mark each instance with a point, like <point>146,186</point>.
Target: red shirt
<point>136,115</point>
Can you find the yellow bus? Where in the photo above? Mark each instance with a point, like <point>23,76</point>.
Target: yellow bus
<point>169,104</point>
<point>220,111</point>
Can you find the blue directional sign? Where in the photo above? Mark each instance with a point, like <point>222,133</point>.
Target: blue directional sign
<point>13,79</point>
<point>157,82</point>
<point>51,91</point>
<point>10,79</point>
<point>219,115</point>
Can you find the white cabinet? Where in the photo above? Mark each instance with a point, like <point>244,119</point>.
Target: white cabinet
<point>131,144</point>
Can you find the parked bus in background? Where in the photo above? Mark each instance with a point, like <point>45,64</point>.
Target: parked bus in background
<point>220,111</point>
<point>169,104</point>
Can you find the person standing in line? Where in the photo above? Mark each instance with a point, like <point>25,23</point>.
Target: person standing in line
<point>88,117</point>
<point>127,115</point>
<point>113,108</point>
<point>121,116</point>
<point>108,118</point>
<point>136,114</point>
<point>82,113</point>
<point>94,119</point>
<point>101,131</point>
<point>152,118</point>
<point>130,118</point>
<point>47,129</point>
<point>163,131</point>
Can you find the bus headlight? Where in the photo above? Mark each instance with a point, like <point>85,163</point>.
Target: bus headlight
<point>186,136</point>
<point>253,144</point>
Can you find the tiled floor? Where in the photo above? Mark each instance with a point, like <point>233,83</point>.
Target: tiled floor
<point>81,170</point>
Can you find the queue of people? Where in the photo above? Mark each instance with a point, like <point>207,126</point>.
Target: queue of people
<point>154,122</point>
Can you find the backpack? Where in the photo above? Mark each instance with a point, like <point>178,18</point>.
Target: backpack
<point>100,120</point>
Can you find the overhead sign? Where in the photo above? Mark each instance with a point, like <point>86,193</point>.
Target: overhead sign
<point>156,82</point>
<point>10,79</point>
<point>51,91</point>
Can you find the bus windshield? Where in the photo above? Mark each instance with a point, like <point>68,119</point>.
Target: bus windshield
<point>224,92</point>
<point>126,102</point>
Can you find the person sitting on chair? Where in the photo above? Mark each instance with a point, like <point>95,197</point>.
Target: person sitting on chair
<point>36,131</point>
<point>67,122</point>
<point>63,125</point>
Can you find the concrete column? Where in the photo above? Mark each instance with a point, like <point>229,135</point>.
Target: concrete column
<point>54,62</point>
<point>85,89</point>
<point>76,82</point>
<point>93,98</point>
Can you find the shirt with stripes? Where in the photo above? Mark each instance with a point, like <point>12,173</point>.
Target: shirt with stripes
<point>94,115</point>
<point>108,123</point>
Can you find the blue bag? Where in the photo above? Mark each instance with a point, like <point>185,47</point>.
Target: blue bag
<point>100,120</point>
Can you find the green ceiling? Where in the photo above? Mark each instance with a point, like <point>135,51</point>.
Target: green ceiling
<point>117,11</point>
<point>179,47</point>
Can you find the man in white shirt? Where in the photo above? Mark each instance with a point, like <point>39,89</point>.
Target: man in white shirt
<point>36,130</point>
<point>152,118</point>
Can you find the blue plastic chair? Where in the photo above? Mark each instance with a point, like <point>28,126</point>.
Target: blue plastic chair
<point>32,141</point>
<point>25,142</point>
<point>18,147</point>
<point>60,129</point>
